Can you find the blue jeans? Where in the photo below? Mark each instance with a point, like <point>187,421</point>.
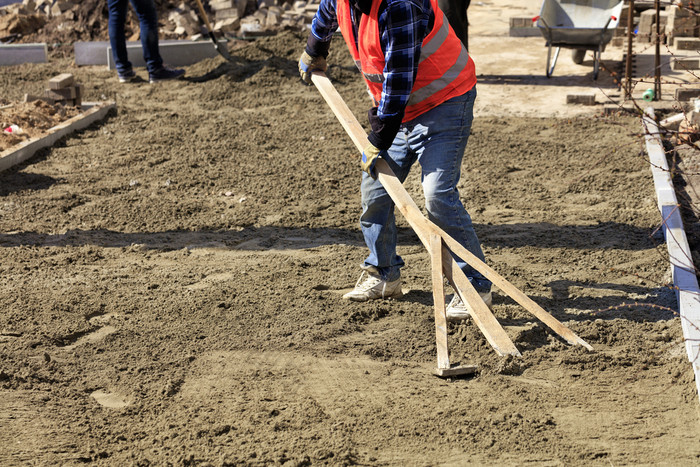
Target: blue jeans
<point>437,140</point>
<point>148,20</point>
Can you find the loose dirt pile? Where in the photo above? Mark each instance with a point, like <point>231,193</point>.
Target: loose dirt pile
<point>173,281</point>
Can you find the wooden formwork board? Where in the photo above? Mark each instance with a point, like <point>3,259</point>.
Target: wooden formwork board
<point>92,112</point>
<point>682,268</point>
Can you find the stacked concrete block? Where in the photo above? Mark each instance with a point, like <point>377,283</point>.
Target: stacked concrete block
<point>687,43</point>
<point>523,27</point>
<point>681,23</point>
<point>64,90</point>
<point>685,64</point>
<point>646,30</point>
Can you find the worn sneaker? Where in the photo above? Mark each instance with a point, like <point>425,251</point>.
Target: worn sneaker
<point>457,310</point>
<point>373,287</point>
<point>165,73</point>
<point>127,76</point>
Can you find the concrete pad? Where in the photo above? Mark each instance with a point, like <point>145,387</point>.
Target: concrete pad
<point>92,113</point>
<point>16,54</point>
<point>174,53</point>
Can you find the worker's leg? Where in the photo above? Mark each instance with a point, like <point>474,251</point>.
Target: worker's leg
<point>440,137</point>
<point>117,36</point>
<point>148,20</point>
<point>378,221</point>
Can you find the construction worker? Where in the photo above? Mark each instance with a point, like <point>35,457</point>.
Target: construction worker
<point>422,81</point>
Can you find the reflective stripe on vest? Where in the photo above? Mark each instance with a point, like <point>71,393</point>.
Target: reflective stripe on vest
<point>445,69</point>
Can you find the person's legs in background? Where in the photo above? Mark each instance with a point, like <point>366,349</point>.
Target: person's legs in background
<point>148,21</point>
<point>456,12</point>
<point>117,38</point>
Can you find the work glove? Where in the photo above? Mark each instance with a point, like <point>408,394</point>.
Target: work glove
<point>370,154</point>
<point>309,64</point>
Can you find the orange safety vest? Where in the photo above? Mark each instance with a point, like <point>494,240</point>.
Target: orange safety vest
<point>445,69</point>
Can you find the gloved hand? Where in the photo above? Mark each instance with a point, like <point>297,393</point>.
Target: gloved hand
<point>309,64</point>
<point>370,154</point>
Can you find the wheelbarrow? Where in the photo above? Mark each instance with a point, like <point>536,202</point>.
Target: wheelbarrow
<point>580,25</point>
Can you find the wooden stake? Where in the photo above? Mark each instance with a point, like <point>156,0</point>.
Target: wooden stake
<point>435,250</point>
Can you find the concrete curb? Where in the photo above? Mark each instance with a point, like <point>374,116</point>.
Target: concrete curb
<point>25,150</point>
<point>682,268</point>
<point>173,52</point>
<point>16,54</point>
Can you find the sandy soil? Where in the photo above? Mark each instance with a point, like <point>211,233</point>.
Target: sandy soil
<point>173,281</point>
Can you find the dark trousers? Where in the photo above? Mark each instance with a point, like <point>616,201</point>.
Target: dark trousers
<point>456,12</point>
<point>148,20</point>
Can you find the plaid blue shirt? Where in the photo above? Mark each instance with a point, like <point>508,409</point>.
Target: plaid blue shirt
<point>403,24</point>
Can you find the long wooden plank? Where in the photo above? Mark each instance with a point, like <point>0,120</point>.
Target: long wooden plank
<point>486,322</point>
<point>419,223</point>
<point>435,250</point>
<point>482,316</point>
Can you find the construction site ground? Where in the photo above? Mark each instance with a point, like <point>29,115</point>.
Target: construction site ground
<point>172,277</point>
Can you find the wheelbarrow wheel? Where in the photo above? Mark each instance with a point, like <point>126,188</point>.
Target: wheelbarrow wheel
<point>577,55</point>
<point>550,69</point>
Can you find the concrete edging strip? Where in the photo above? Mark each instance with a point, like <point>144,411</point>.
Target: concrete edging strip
<point>16,54</point>
<point>682,268</point>
<point>25,150</point>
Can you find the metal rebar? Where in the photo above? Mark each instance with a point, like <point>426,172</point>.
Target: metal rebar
<point>628,61</point>
<point>657,53</point>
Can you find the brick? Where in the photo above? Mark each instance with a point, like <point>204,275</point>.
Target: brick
<point>682,27</point>
<point>618,42</point>
<point>687,43</point>
<point>61,81</point>
<point>675,11</point>
<point>646,19</point>
<point>583,99</point>
<point>685,94</point>
<point>227,13</point>
<point>521,22</point>
<point>686,64</point>
<point>60,94</point>
<point>228,25</point>
<point>222,4</point>
<point>32,98</point>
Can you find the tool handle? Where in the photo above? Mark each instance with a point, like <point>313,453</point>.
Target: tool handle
<point>203,13</point>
